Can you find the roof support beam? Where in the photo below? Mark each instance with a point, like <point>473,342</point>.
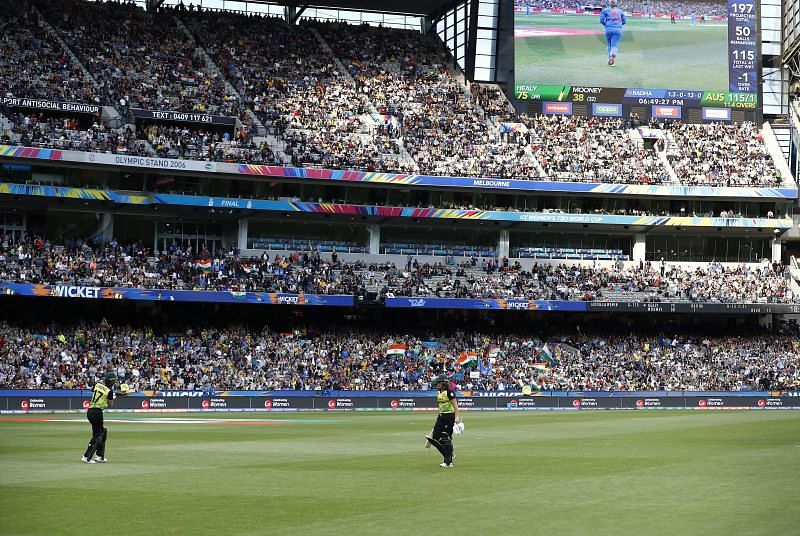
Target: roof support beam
<point>153,5</point>
<point>472,39</point>
<point>293,13</point>
<point>437,16</point>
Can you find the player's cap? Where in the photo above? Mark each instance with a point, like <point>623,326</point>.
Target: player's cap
<point>441,379</point>
<point>110,377</point>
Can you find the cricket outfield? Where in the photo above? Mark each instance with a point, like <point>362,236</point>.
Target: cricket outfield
<point>600,472</point>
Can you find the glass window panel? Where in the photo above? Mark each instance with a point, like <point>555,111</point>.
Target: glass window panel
<point>484,61</point>
<point>487,22</point>
<point>486,34</point>
<point>485,47</point>
<point>487,8</point>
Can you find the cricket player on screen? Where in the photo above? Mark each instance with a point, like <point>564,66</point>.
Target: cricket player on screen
<point>613,19</point>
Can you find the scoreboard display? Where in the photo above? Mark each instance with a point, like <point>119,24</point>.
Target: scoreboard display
<point>666,57</point>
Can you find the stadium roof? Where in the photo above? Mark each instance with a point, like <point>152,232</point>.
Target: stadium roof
<point>433,8</point>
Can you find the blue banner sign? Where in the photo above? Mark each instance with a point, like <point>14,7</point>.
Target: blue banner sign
<point>208,296</point>
<point>513,304</point>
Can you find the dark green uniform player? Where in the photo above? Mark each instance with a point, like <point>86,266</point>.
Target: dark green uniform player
<point>442,435</point>
<point>102,398</point>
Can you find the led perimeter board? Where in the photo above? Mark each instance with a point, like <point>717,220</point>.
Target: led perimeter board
<point>661,57</point>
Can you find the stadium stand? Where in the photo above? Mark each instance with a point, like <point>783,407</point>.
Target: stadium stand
<point>155,357</point>
<point>405,75</point>
<point>721,154</point>
<point>332,95</point>
<point>64,133</point>
<point>38,261</point>
<point>169,141</point>
<point>139,59</point>
<point>298,91</point>
<point>34,64</point>
<point>593,149</point>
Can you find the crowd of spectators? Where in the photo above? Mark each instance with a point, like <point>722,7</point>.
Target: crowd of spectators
<point>173,141</point>
<point>72,356</point>
<point>140,59</point>
<point>721,154</point>
<point>33,64</point>
<point>314,148</point>
<point>37,261</point>
<point>333,95</point>
<point>66,133</point>
<point>493,102</point>
<point>500,279</point>
<point>406,76</point>
<point>165,140</point>
<point>297,90</point>
<point>593,149</point>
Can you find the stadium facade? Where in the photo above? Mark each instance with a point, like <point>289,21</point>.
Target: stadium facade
<point>280,204</point>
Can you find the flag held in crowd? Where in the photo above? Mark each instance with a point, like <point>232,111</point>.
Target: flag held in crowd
<point>546,354</point>
<point>203,264</point>
<point>467,359</point>
<point>398,350</point>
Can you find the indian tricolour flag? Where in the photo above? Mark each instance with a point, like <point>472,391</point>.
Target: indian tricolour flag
<point>398,350</point>
<point>203,265</point>
<point>546,353</point>
<point>541,366</point>
<point>495,352</point>
<point>467,359</point>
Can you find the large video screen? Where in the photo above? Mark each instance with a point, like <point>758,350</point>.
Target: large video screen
<point>679,52</point>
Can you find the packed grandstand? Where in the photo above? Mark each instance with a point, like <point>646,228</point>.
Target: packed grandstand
<point>320,253</point>
<point>323,94</point>
<point>239,357</point>
<point>41,262</point>
<point>328,95</point>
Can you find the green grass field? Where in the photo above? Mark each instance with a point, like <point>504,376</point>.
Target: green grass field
<point>652,53</point>
<point>643,473</point>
